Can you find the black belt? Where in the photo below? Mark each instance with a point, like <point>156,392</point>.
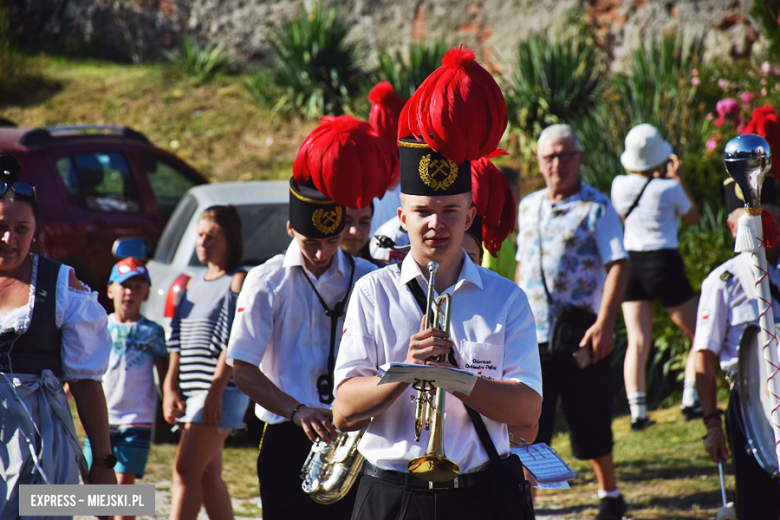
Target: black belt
<point>410,481</point>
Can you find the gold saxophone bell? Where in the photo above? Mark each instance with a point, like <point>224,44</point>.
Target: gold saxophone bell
<point>434,466</point>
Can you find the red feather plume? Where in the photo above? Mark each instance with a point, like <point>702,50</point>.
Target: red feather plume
<point>345,161</point>
<point>765,124</point>
<point>458,110</point>
<point>386,108</point>
<point>494,201</point>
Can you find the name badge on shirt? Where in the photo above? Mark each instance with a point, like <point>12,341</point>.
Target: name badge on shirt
<point>483,359</point>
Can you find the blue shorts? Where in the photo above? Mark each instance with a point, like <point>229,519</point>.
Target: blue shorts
<point>131,448</point>
<point>234,403</point>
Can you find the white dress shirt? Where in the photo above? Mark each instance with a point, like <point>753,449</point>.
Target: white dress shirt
<point>281,327</point>
<point>393,230</point>
<point>727,305</point>
<point>494,335</point>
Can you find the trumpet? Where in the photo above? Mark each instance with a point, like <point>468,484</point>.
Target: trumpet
<point>434,466</point>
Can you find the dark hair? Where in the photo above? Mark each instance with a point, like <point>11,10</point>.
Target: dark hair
<point>229,220</point>
<point>9,173</point>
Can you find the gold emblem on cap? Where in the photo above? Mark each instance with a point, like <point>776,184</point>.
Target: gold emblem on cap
<point>326,222</point>
<point>738,193</point>
<point>429,169</point>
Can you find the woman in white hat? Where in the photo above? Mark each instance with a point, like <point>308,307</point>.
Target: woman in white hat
<point>649,200</point>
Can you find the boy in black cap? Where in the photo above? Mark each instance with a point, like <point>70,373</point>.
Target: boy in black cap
<point>492,334</point>
<point>289,320</point>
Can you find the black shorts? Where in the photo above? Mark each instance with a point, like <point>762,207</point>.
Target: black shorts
<point>586,398</point>
<point>657,275</point>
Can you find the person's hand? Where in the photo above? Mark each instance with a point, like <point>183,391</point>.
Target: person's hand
<point>427,343</point>
<point>101,475</point>
<point>674,168</point>
<point>212,407</point>
<point>715,444</point>
<point>173,406</point>
<point>316,423</point>
<point>602,339</point>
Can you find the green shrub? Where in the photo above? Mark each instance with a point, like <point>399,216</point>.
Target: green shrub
<point>316,71</point>
<point>768,13</point>
<point>659,91</point>
<point>553,82</point>
<point>198,62</point>
<point>406,74</point>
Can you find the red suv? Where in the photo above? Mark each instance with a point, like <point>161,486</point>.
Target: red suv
<point>97,183</point>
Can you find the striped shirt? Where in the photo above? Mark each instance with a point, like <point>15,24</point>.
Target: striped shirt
<point>200,330</point>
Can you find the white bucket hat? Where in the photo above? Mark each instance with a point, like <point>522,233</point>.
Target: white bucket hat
<point>645,149</point>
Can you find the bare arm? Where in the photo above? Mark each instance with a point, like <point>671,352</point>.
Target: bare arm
<point>674,171</point>
<point>509,402</point>
<point>706,385</point>
<point>173,404</point>
<point>91,405</point>
<point>600,334</point>
<point>316,422</point>
<point>212,405</point>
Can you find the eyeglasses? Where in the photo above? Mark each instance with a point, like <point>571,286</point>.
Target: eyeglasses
<point>562,157</point>
<point>25,189</point>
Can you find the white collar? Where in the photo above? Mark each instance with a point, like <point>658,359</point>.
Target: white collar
<point>294,257</point>
<point>468,273</point>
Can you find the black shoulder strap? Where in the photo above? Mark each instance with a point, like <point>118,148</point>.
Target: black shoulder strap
<point>325,381</point>
<point>636,200</point>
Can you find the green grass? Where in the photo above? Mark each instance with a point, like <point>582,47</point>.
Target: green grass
<point>663,472</point>
<point>216,127</point>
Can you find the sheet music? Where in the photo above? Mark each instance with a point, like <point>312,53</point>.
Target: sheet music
<point>543,463</point>
<point>450,379</point>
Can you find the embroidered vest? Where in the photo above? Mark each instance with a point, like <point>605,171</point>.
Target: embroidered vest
<point>40,347</point>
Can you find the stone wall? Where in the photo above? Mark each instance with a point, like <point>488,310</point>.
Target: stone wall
<point>138,29</point>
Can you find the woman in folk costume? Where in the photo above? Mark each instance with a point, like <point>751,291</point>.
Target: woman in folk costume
<point>456,116</point>
<point>52,329</point>
<point>289,318</point>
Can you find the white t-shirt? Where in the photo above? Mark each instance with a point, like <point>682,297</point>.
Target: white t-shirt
<point>129,380</point>
<point>494,333</point>
<point>281,327</point>
<point>653,223</point>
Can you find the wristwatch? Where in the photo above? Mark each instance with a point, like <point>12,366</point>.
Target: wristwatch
<point>109,461</point>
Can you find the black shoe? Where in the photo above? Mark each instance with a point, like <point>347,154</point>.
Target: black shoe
<point>611,508</point>
<point>641,423</point>
<point>690,413</point>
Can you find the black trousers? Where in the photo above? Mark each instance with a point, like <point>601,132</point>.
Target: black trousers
<point>586,397</point>
<point>757,493</point>
<point>381,500</point>
<point>283,451</point>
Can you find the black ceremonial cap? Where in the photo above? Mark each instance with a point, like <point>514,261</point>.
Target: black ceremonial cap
<point>428,173</point>
<point>314,215</point>
<point>735,199</point>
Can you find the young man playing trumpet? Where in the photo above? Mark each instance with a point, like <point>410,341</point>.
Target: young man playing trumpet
<point>492,334</point>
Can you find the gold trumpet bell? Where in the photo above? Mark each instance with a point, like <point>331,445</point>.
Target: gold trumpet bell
<point>434,468</point>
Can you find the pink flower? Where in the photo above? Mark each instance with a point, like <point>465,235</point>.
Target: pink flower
<point>695,82</point>
<point>777,86</point>
<point>740,127</point>
<point>695,72</point>
<point>711,145</point>
<point>778,20</point>
<point>722,83</point>
<point>727,107</point>
<point>747,96</point>
<point>763,91</point>
<point>719,122</point>
<point>766,68</point>
<point>710,116</point>
<point>763,81</point>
